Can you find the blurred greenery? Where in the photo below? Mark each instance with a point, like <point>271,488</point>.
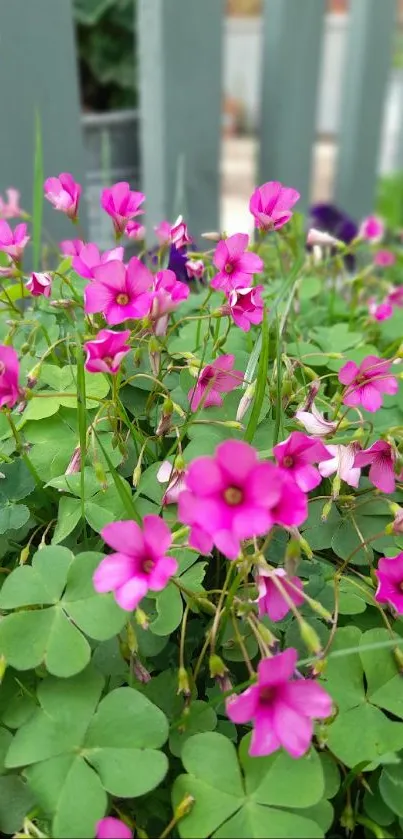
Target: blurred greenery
<point>389,202</point>
<point>105,32</point>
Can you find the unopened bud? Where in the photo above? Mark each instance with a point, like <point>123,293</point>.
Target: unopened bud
<point>165,422</point>
<point>267,637</point>
<point>397,524</point>
<point>24,555</point>
<point>183,682</point>
<point>100,474</point>
<point>347,818</point>
<point>336,355</point>
<point>310,637</point>
<point>24,348</point>
<point>319,667</point>
<point>212,236</point>
<point>131,638</point>
<point>141,618</point>
<point>224,683</point>
<point>184,807</point>
<point>246,401</point>
<point>139,671</point>
<point>232,424</point>
<point>292,556</point>
<point>75,462</point>
<point>336,485</point>
<point>136,475</point>
<point>63,304</point>
<point>216,666</point>
<point>33,376</point>
<point>179,463</point>
<point>317,607</point>
<point>312,393</point>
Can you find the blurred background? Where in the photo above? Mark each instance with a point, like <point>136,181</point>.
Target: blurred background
<point>197,101</point>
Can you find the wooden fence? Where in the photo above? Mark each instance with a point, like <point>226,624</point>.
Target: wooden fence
<point>180,48</point>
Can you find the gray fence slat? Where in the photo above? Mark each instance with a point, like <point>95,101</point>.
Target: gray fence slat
<point>180,47</point>
<point>366,69</point>
<point>292,41</point>
<point>39,71</point>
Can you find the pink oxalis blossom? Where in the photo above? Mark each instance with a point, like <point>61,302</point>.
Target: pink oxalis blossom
<point>135,231</point>
<point>384,259</point>
<point>380,457</point>
<point>140,563</point>
<point>245,306</point>
<point>194,269</point>
<point>175,478</point>
<point>9,372</point>
<point>390,582</point>
<point>281,708</point>
<point>215,379</point>
<point>13,242</point>
<point>39,284</point>
<point>179,235</point>
<point>380,311</point>
<point>64,193</point>
<point>168,293</point>
<point>122,204</point>
<point>71,247</point>
<point>231,496</point>
<point>366,383</point>
<point>111,828</point>
<point>342,462</point>
<point>106,351</point>
<point>315,423</point>
<point>120,291</point>
<point>372,229</point>
<point>89,258</point>
<point>163,232</point>
<point>297,454</point>
<point>271,205</point>
<point>10,208</point>
<point>271,599</point>
<point>235,264</point>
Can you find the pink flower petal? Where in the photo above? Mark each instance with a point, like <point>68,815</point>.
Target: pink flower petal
<point>124,536</point>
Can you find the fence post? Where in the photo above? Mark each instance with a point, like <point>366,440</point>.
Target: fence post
<point>292,40</point>
<point>38,69</point>
<point>180,47</point>
<point>366,70</point>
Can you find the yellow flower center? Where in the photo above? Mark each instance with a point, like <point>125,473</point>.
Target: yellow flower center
<point>233,496</point>
<point>148,565</point>
<point>122,299</point>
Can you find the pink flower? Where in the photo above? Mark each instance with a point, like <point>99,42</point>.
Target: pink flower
<point>381,458</point>
<point>39,284</point>
<point>390,582</point>
<point>291,507</point>
<point>168,294</point>
<point>179,235</point>
<point>366,383</point>
<point>106,351</point>
<point>64,193</point>
<point>380,311</point>
<point>372,229</point>
<point>90,258</point>
<point>315,423</point>
<point>13,242</point>
<point>297,454</point>
<point>135,231</point>
<point>395,296</point>
<point>215,379</point>
<point>140,563</point>
<point>110,828</point>
<point>71,247</point>
<point>122,204</point>
<point>9,372</point>
<point>281,708</point>
<point>342,462</point>
<point>271,205</point>
<point>384,259</point>
<point>10,208</point>
<point>245,305</point>
<point>163,232</point>
<point>235,264</point>
<point>120,291</point>
<point>175,478</point>
<point>229,497</point>
<point>194,268</point>
<point>271,600</point>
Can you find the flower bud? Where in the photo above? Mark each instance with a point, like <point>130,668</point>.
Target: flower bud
<point>139,671</point>
<point>100,474</point>
<point>131,638</point>
<point>212,236</point>
<point>24,555</point>
<point>165,422</point>
<point>33,376</point>
<point>183,682</point>
<point>398,656</point>
<point>310,637</point>
<point>246,401</point>
<point>141,618</point>
<point>217,666</point>
<point>75,462</point>
<point>184,807</point>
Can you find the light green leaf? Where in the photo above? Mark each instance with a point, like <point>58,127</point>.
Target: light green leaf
<point>16,801</point>
<point>169,607</point>
<point>384,682</point>
<point>98,615</point>
<point>13,516</point>
<point>69,515</point>
<point>39,584</point>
